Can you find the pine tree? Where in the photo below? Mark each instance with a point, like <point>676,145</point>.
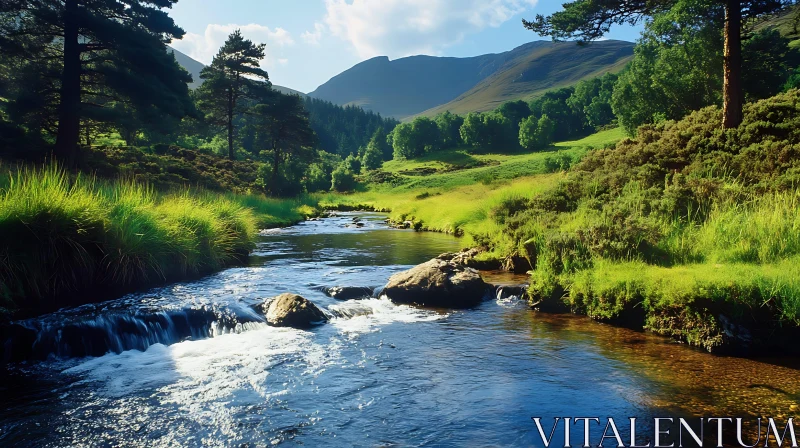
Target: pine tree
<point>288,132</point>
<point>107,51</point>
<point>233,77</point>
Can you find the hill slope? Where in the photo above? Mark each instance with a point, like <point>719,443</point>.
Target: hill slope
<point>194,67</point>
<point>409,86</point>
<point>533,71</point>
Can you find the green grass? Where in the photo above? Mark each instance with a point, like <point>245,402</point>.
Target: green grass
<point>463,200</point>
<point>459,167</point>
<point>64,237</point>
<point>685,301</point>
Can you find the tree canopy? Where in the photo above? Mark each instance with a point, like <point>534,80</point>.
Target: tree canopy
<point>82,57</point>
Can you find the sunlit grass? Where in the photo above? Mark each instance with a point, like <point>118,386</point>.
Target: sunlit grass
<point>606,288</point>
<point>64,235</point>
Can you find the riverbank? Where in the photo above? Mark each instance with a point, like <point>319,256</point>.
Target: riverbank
<point>685,231</point>
<point>69,240</point>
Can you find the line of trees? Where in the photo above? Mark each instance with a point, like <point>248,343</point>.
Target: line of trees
<point>557,115</point>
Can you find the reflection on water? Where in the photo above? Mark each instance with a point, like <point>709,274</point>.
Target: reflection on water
<point>378,375</point>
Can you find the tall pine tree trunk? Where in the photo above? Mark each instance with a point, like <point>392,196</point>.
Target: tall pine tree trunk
<point>231,107</point>
<point>276,163</point>
<point>732,85</point>
<point>69,108</point>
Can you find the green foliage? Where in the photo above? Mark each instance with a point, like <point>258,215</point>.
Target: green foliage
<point>414,139</point>
<point>569,121</point>
<point>233,76</point>
<point>490,131</point>
<point>342,178</point>
<point>318,176</point>
<point>66,69</point>
<point>342,130</point>
<point>449,129</point>
<point>678,66</point>
<point>536,134</point>
<point>170,167</point>
<point>769,62</point>
<point>593,98</point>
<point>287,141</point>
<point>373,156</point>
<point>515,112</point>
<point>352,164</point>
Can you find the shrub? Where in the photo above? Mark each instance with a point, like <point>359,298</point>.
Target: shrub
<point>342,179</point>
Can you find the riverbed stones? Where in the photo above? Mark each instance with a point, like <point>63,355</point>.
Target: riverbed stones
<point>437,283</point>
<point>292,310</point>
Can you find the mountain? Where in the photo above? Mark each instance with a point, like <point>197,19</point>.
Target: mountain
<point>194,67</point>
<point>427,84</point>
<point>532,70</point>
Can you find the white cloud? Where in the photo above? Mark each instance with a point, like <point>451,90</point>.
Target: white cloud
<point>398,28</point>
<point>313,38</point>
<point>204,47</point>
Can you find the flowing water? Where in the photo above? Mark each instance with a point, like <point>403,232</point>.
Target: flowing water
<point>194,365</point>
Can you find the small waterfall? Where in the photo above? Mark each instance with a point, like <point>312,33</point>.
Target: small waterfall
<point>506,292</point>
<point>350,309</point>
<point>118,331</point>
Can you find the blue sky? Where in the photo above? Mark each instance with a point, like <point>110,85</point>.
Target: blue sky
<point>310,41</point>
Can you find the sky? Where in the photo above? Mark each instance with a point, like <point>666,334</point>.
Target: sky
<point>310,41</point>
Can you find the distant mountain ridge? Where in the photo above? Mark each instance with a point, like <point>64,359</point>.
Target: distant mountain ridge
<point>195,67</point>
<point>428,84</point>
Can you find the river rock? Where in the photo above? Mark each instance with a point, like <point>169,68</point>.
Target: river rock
<point>467,257</point>
<point>348,292</point>
<point>437,283</point>
<point>291,310</point>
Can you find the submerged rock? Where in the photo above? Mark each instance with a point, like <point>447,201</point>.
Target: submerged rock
<point>437,283</point>
<point>507,291</point>
<point>348,292</point>
<point>291,310</point>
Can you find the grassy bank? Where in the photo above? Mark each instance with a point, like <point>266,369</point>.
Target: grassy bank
<point>686,230</point>
<point>67,239</point>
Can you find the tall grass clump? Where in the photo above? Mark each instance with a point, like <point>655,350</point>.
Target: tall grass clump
<point>52,229</point>
<point>70,239</point>
<point>764,231</point>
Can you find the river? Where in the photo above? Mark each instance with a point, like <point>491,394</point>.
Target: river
<point>192,364</point>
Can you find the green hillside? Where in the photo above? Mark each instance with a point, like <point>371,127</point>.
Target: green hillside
<point>787,22</point>
<point>409,86</point>
<point>531,73</point>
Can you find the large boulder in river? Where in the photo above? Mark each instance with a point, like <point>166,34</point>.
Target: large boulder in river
<point>291,310</point>
<point>437,283</point>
